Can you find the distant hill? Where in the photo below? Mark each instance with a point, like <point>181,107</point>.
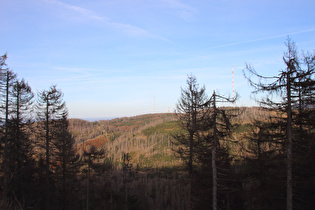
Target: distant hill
<point>93,119</point>
<point>147,138</point>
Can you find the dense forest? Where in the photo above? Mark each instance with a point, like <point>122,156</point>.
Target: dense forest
<point>209,154</point>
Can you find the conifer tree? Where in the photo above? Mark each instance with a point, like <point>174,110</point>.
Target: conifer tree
<point>7,77</point>
<point>91,159</point>
<point>212,153</point>
<point>18,131</point>
<point>204,125</point>
<point>303,144</point>
<point>265,168</point>
<point>66,159</point>
<point>191,111</point>
<point>50,109</point>
<point>294,87</point>
<point>220,123</point>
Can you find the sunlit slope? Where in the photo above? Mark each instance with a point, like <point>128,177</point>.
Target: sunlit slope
<point>148,138</point>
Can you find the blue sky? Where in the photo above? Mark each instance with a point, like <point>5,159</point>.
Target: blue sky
<point>110,58</point>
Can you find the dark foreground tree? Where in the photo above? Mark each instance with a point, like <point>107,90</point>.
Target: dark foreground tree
<point>66,164</point>
<point>293,87</point>
<point>94,164</point>
<point>303,133</point>
<point>7,77</point>
<point>191,111</point>
<point>262,178</point>
<point>20,145</point>
<point>213,155</point>
<point>50,109</point>
<point>219,121</point>
<point>204,125</point>
<point>16,122</point>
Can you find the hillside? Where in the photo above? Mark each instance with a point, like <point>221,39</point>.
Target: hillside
<point>147,138</point>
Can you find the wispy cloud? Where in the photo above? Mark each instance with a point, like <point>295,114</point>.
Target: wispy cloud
<point>182,10</point>
<point>264,38</point>
<point>118,26</point>
<point>86,13</point>
<point>74,75</point>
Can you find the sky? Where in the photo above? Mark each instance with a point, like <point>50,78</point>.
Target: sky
<point>116,58</point>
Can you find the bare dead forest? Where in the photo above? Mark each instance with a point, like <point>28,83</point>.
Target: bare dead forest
<point>209,154</point>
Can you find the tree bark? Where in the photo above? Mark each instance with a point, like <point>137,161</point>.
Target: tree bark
<point>6,154</point>
<point>289,144</point>
<point>47,156</point>
<point>214,167</point>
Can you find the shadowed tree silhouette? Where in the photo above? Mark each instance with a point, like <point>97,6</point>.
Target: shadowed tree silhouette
<point>293,88</point>
<point>50,108</point>
<point>191,111</point>
<point>18,134</point>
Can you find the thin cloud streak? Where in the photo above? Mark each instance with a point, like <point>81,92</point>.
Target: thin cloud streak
<point>122,27</point>
<point>84,12</point>
<point>261,39</point>
<point>184,11</point>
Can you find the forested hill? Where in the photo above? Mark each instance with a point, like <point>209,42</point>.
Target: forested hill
<point>147,138</point>
<point>83,130</point>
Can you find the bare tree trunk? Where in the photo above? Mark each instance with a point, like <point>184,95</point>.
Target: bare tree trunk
<point>214,178</point>
<point>6,154</point>
<point>64,173</point>
<point>289,145</point>
<point>191,151</point>
<point>214,167</point>
<point>47,157</point>
<point>18,145</point>
<point>191,139</point>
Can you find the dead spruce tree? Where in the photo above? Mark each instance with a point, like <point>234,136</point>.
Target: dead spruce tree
<point>203,125</point>
<point>294,90</point>
<point>7,77</point>
<point>19,132</point>
<point>219,121</point>
<point>191,111</point>
<point>50,109</point>
<point>214,161</point>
